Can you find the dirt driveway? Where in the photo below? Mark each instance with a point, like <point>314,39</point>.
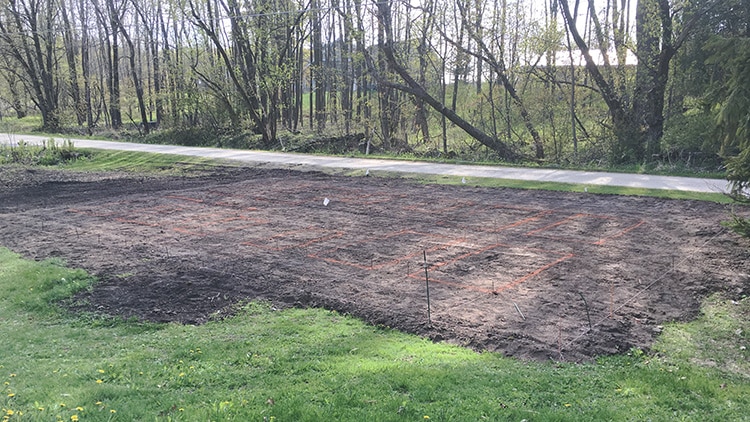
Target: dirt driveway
<point>532,274</point>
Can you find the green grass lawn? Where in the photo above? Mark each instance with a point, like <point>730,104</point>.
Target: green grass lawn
<point>315,365</point>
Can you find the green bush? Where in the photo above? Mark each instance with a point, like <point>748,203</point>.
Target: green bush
<point>691,138</point>
<point>47,154</point>
<point>203,137</point>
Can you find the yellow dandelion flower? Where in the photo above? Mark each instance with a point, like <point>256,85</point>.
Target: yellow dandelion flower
<point>79,408</point>
<point>11,395</point>
<point>426,417</point>
<point>99,381</point>
<point>182,374</point>
<point>10,412</point>
<point>98,403</point>
<point>74,418</point>
<point>101,371</point>
<point>6,383</point>
<point>12,375</point>
<point>62,404</point>
<point>112,411</point>
<point>567,404</point>
<point>182,409</point>
<point>41,409</point>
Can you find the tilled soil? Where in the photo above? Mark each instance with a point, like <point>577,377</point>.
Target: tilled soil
<point>532,274</point>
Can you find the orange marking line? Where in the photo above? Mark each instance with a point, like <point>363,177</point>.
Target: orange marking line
<point>561,222</point>
<point>581,215</point>
<point>238,218</point>
<point>159,210</point>
<point>359,200</point>
<point>207,228</point>
<point>389,262</point>
<point>316,240</point>
<point>423,208</point>
<point>621,233</point>
<point>90,213</point>
<point>185,198</point>
<point>305,244</point>
<point>535,272</point>
<point>468,254</point>
<point>234,206</point>
<point>136,222</point>
<point>521,222</point>
<point>517,208</point>
<point>277,200</point>
<point>186,231</point>
<point>514,283</point>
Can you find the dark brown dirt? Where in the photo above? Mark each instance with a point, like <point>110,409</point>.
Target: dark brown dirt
<point>532,274</point>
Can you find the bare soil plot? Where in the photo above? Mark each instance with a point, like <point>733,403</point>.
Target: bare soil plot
<point>532,274</point>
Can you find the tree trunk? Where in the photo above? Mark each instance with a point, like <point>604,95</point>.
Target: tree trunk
<point>638,119</point>
<point>133,69</point>
<point>413,88</point>
<point>112,50</point>
<point>318,78</point>
<point>85,66</point>
<point>70,55</point>
<point>422,50</point>
<point>33,49</point>
<point>498,66</point>
<point>389,111</point>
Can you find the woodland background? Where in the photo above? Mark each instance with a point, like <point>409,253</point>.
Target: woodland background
<point>555,82</point>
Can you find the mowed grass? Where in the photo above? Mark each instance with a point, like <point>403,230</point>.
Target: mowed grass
<point>317,365</point>
<point>105,160</point>
<point>141,162</point>
<point>571,187</point>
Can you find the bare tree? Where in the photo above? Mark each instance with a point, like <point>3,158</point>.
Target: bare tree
<point>500,69</point>
<point>637,115</point>
<point>412,87</point>
<point>116,19</point>
<point>28,36</point>
<point>70,56</point>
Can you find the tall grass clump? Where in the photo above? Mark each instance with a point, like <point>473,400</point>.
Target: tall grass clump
<point>50,153</point>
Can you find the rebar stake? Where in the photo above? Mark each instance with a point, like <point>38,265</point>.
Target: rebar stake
<point>427,282</point>
<point>586,305</point>
<point>519,311</point>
